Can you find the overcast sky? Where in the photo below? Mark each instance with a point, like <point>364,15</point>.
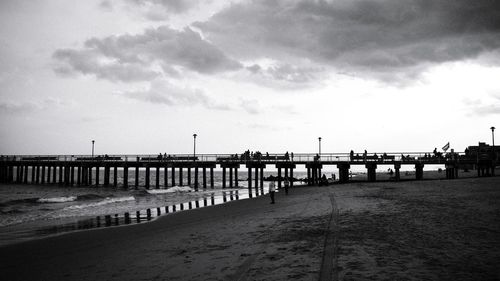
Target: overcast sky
<point>141,76</point>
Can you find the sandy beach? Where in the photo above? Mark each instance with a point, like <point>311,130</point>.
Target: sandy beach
<point>413,230</point>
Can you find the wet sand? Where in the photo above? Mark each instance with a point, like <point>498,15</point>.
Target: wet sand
<point>434,230</point>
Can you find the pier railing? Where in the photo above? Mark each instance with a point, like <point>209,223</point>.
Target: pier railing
<point>423,157</point>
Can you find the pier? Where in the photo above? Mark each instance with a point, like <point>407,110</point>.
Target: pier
<point>198,171</point>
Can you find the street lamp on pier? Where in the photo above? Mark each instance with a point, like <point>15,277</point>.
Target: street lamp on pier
<point>194,146</point>
<point>319,140</point>
<point>93,141</point>
<point>493,141</point>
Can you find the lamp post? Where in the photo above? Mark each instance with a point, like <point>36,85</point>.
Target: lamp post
<point>319,140</point>
<point>194,146</point>
<point>493,141</point>
<point>93,141</point>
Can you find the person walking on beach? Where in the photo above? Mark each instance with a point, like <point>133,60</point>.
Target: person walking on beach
<point>272,189</point>
<point>287,185</point>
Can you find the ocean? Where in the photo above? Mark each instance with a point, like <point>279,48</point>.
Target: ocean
<point>29,211</point>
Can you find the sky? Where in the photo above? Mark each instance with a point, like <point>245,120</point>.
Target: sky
<point>143,76</point>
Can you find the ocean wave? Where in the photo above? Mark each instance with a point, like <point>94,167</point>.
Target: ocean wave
<point>170,190</point>
<point>61,199</point>
<point>100,203</point>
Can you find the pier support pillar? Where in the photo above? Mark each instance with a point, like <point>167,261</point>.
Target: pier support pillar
<point>372,174</point>
<point>236,180</point>
<point>196,178</point>
<point>309,181</point>
<point>115,176</point>
<point>343,172</point>
<point>148,170</point>
<point>451,170</point>
<point>43,174</point>
<point>249,180</point>
<point>26,167</point>
<point>189,176</point>
<point>54,174</point>
<point>231,177</point>
<point>261,177</point>
<point>173,176</point>
<point>79,175</point>
<point>72,176</point>
<point>204,177</point>
<point>397,174</point>
<point>97,175</point>
<point>279,178</point>
<point>125,176</point>
<point>165,176</point>
<point>223,177</point>
<point>180,177</point>
<point>291,177</point>
<point>136,177</point>
<point>67,174</point>
<point>419,171</point>
<point>37,179</point>
<point>106,175</point>
<point>212,178</point>
<point>157,179</point>
<point>256,180</point>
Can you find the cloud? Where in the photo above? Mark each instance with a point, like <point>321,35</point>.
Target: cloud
<point>480,108</point>
<point>381,39</point>
<point>145,56</point>
<point>250,106</point>
<point>26,107</point>
<point>159,10</point>
<point>163,92</point>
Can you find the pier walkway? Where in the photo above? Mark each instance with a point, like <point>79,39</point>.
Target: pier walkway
<point>85,169</point>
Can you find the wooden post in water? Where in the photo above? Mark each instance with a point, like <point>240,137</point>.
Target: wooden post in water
<point>72,176</point>
<point>261,177</point>
<point>189,176</point>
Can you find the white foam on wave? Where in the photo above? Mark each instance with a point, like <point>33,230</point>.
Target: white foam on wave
<point>108,200</point>
<point>57,199</point>
<point>170,190</point>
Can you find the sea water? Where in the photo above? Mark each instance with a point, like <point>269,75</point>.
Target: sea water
<point>33,211</point>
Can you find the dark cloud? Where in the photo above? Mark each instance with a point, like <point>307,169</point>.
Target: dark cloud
<point>377,38</point>
<point>162,92</point>
<point>140,57</point>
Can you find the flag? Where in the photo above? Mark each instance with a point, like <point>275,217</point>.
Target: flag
<point>446,146</point>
